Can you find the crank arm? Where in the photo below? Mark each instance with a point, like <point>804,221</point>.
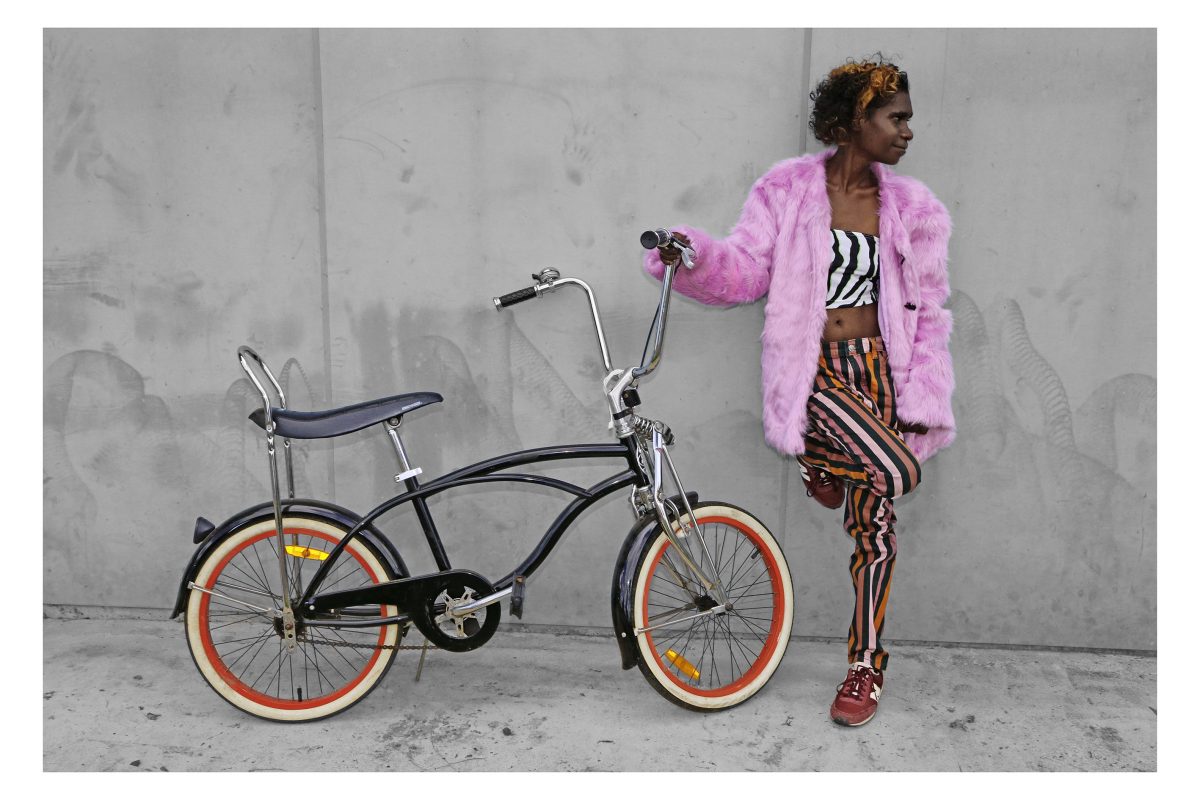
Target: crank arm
<point>270,612</point>
<point>475,605</point>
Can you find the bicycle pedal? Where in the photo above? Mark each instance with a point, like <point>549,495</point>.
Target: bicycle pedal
<point>516,602</point>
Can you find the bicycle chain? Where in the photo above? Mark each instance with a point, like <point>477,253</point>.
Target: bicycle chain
<point>353,646</point>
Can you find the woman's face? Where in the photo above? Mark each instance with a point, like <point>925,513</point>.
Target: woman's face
<point>884,134</point>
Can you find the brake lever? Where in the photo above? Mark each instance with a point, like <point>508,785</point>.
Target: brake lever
<point>688,256</point>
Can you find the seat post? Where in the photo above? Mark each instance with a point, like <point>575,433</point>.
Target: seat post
<point>406,470</point>
<point>408,476</point>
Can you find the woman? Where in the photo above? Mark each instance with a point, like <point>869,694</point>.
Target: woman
<point>855,365</point>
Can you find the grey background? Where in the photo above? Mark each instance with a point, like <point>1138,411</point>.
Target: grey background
<point>347,202</point>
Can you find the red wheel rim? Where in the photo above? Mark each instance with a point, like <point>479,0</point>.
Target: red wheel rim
<point>772,642</point>
<point>233,681</point>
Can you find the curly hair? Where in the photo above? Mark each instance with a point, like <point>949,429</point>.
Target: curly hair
<point>850,91</point>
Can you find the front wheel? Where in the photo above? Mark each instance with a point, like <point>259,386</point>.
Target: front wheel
<point>694,653</point>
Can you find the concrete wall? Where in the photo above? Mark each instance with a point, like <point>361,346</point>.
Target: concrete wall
<point>352,200</point>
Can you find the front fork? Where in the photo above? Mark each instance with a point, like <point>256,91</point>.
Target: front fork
<point>669,518</point>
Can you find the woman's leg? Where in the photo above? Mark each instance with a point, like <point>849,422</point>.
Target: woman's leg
<point>853,436</point>
<point>870,522</point>
<point>857,445</point>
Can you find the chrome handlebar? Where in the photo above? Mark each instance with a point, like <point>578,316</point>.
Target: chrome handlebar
<point>548,280</point>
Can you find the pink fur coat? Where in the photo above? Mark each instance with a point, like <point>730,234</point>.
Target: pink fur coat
<point>781,248</point>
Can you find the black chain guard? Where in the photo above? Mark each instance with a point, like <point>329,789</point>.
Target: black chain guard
<point>427,611</point>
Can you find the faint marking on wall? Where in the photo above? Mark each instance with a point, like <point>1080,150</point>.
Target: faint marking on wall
<point>1089,432</point>
<point>978,386</point>
<point>1035,373</point>
<point>504,383</point>
<point>1057,479</point>
<point>103,437</point>
<point>113,454</point>
<point>111,302</point>
<point>577,151</point>
<point>1123,399</point>
<point>69,282</point>
<point>70,130</point>
<point>79,273</point>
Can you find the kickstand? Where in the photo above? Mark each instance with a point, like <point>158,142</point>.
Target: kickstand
<point>421,663</point>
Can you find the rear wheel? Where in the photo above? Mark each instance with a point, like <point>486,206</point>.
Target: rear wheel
<point>703,660</point>
<point>236,638</point>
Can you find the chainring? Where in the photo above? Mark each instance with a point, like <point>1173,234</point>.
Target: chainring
<point>458,634</point>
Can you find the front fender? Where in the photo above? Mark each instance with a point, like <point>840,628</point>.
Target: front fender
<point>638,538</point>
<point>317,509</point>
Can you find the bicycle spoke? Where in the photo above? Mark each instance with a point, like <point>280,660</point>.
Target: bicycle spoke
<point>267,668</point>
<point>243,639</point>
<point>266,638</point>
<point>752,625</point>
<point>746,652</point>
<point>253,618</point>
<point>266,580</point>
<point>682,574</point>
<point>656,618</point>
<point>339,652</point>
<point>227,582</point>
<point>308,660</point>
<point>325,587</point>
<point>318,652</point>
<point>252,576</point>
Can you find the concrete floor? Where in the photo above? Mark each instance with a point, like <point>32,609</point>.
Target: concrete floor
<point>124,695</point>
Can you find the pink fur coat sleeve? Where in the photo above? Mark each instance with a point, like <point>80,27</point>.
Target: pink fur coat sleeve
<point>733,270</point>
<point>929,380</point>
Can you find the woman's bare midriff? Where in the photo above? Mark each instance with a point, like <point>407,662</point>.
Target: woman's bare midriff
<point>859,322</point>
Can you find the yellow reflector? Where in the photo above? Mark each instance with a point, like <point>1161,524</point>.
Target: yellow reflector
<point>306,552</point>
<point>683,665</point>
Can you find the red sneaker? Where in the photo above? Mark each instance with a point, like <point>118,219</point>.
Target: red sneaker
<point>857,697</point>
<point>822,487</point>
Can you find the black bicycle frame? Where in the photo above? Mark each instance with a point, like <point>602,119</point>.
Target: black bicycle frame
<point>484,472</point>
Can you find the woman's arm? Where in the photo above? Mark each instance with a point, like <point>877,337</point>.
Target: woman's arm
<point>736,269</point>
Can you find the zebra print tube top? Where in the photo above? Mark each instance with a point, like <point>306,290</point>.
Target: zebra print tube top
<point>854,272</point>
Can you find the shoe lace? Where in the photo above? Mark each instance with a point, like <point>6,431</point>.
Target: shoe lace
<point>858,683</point>
<point>821,480</point>
<point>814,476</point>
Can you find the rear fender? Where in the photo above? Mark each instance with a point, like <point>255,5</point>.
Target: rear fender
<point>210,537</point>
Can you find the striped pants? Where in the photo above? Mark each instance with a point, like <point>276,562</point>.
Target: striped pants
<point>853,435</point>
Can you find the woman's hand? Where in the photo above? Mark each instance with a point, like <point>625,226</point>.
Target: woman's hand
<point>670,255</point>
<point>912,427</point>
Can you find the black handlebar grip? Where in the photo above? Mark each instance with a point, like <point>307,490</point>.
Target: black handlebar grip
<point>512,298</point>
<point>656,238</point>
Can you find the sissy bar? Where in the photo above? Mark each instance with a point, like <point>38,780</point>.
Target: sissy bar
<point>245,355</point>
